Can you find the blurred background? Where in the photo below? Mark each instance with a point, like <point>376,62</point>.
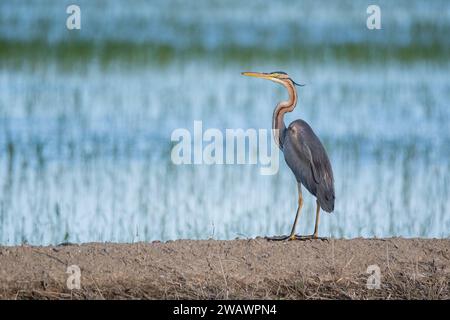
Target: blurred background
<point>86,117</point>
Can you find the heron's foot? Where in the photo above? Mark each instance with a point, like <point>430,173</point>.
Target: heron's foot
<point>296,237</point>
<point>309,237</point>
<point>278,238</point>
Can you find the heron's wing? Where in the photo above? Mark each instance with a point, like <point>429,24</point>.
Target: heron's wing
<point>299,158</point>
<point>306,152</point>
<point>306,156</point>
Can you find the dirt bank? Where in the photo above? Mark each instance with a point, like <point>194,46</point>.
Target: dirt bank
<point>211,269</point>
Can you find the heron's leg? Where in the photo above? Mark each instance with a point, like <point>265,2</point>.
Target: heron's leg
<point>315,235</point>
<point>292,236</point>
<point>316,227</point>
<point>299,208</point>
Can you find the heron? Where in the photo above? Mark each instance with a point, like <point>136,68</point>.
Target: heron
<point>303,152</point>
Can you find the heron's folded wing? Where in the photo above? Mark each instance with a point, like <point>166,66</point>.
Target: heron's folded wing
<point>300,159</point>
<point>306,151</point>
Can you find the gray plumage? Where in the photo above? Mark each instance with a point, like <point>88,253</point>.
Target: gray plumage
<point>308,160</point>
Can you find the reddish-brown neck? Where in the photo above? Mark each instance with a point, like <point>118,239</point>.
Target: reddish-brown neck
<point>278,114</point>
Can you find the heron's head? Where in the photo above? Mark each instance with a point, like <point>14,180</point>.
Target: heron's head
<point>277,76</point>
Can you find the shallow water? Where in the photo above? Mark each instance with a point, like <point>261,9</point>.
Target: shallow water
<point>85,127</point>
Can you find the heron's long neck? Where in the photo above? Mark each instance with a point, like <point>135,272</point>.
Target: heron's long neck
<point>278,114</point>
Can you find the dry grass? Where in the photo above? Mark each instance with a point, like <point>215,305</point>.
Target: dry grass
<point>241,269</point>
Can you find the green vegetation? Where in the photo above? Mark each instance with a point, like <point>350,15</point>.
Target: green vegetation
<point>67,54</point>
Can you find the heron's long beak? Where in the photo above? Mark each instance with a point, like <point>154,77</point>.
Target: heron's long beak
<point>257,75</point>
<point>268,76</point>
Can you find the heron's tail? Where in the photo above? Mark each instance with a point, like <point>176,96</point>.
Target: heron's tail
<point>326,199</point>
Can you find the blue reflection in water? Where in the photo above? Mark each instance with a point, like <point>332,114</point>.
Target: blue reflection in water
<point>85,145</point>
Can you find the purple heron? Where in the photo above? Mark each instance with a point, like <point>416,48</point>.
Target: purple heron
<point>304,154</point>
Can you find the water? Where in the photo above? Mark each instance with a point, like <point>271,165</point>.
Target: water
<point>86,118</point>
